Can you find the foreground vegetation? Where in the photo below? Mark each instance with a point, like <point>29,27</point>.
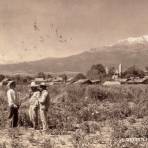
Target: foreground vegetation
<point>85,112</point>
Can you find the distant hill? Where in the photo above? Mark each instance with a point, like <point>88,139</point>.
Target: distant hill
<point>131,51</point>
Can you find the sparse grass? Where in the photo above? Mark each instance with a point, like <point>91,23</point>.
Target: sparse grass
<point>90,104</point>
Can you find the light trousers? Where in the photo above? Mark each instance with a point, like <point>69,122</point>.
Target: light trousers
<point>43,116</point>
<point>33,114</point>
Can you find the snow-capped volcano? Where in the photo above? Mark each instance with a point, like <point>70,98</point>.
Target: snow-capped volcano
<point>130,44</point>
<point>133,41</point>
<point>128,52</point>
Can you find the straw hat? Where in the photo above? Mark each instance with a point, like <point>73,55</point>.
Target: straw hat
<point>10,83</point>
<point>33,84</point>
<point>43,84</point>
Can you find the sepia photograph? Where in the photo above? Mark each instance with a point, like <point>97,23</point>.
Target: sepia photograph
<point>73,73</point>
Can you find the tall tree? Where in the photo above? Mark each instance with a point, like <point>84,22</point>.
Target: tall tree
<point>96,72</point>
<point>134,71</point>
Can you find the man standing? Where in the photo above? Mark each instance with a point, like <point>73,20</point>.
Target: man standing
<point>13,104</point>
<point>34,104</point>
<point>44,105</point>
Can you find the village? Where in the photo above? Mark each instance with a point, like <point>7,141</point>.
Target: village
<point>116,78</point>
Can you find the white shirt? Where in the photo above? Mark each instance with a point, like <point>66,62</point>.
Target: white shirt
<point>12,97</point>
<point>43,96</point>
<point>44,99</point>
<point>34,98</point>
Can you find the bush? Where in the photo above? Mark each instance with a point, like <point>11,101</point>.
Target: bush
<point>75,93</point>
<point>96,72</point>
<point>96,93</point>
<point>134,72</point>
<point>78,77</point>
<point>41,75</point>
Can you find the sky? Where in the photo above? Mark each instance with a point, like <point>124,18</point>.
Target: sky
<point>36,29</point>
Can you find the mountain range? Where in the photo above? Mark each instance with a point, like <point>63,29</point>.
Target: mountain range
<point>128,52</point>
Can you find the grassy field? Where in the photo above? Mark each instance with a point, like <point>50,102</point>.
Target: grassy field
<point>89,116</point>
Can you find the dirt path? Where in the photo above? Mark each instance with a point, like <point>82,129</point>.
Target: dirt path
<point>32,139</point>
<point>28,138</point>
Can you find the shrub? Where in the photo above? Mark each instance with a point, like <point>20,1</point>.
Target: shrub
<point>75,93</point>
<point>96,72</point>
<point>41,75</point>
<point>134,71</point>
<point>96,93</point>
<point>78,77</point>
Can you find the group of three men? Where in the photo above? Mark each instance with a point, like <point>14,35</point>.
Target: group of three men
<point>38,102</point>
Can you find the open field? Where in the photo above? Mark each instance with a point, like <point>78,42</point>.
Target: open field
<point>83,117</point>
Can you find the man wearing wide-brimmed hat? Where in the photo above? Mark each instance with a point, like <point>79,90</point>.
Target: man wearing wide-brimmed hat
<point>44,101</point>
<point>13,103</point>
<point>34,104</point>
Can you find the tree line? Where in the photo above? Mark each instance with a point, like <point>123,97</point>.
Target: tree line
<point>96,71</point>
